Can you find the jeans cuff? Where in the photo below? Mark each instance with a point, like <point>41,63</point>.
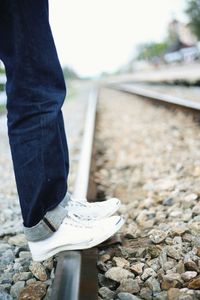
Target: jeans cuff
<point>49,224</point>
<point>67,198</point>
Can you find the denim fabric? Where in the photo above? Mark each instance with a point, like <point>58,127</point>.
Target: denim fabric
<point>35,93</point>
<point>54,217</point>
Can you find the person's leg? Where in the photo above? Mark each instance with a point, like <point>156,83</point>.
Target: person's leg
<point>35,94</point>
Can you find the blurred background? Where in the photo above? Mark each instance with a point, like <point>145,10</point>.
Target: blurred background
<point>96,39</point>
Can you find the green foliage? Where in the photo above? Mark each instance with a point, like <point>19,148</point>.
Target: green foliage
<point>152,50</point>
<point>2,108</point>
<point>2,71</point>
<point>193,12</point>
<point>69,73</point>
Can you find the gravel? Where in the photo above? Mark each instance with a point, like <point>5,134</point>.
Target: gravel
<point>151,161</point>
<point>148,156</point>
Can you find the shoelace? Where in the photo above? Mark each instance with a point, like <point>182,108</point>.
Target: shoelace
<point>84,202</point>
<point>76,221</point>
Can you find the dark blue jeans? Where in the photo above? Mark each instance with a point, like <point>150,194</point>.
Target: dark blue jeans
<point>35,94</point>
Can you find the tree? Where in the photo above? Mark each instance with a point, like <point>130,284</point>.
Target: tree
<point>69,73</point>
<point>151,51</point>
<point>193,12</point>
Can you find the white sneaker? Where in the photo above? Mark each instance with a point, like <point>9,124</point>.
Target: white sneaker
<point>93,210</point>
<point>74,234</point>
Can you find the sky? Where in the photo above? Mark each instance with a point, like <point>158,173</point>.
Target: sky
<point>95,36</point>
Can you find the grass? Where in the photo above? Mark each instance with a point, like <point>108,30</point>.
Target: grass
<point>2,108</point>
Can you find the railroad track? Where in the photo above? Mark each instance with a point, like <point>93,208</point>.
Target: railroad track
<point>76,272</point>
<point>160,98</point>
<point>76,276</point>
<point>150,159</point>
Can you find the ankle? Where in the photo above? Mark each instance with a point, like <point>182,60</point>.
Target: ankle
<point>47,226</point>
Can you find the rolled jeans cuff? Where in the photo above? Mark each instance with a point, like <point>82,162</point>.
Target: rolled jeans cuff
<point>49,224</point>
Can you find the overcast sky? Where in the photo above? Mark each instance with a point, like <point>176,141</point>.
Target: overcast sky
<point>93,36</point>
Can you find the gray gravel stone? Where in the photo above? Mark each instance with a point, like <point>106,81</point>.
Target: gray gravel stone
<point>168,201</point>
<point>3,247</point>
<point>118,274</point>
<point>153,251</point>
<point>146,293</point>
<point>22,276</point>
<point>25,254</point>
<point>29,281</point>
<point>127,296</point>
<point>157,236</point>
<point>121,262</point>
<point>103,281</point>
<point>6,277</point>
<point>17,267</point>
<point>129,285</point>
<point>188,275</point>
<point>153,284</point>
<point>171,280</point>
<point>5,287</point>
<point>48,264</point>
<point>161,296</point>
<point>7,257</point>
<point>163,258</point>
<point>137,268</point>
<point>24,263</point>
<point>102,266</point>
<point>148,272</point>
<point>174,252</point>
<point>106,293</point>
<point>168,265</point>
<point>5,296</point>
<point>18,240</point>
<point>16,289</point>
<point>180,267</point>
<point>38,270</point>
<point>104,257</point>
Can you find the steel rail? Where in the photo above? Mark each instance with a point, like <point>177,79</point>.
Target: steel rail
<point>76,271</point>
<point>169,99</point>
<point>82,181</point>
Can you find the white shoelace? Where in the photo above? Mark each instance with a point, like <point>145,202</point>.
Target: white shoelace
<point>77,221</point>
<point>84,202</point>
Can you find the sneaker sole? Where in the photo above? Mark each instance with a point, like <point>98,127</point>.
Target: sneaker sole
<point>80,246</point>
